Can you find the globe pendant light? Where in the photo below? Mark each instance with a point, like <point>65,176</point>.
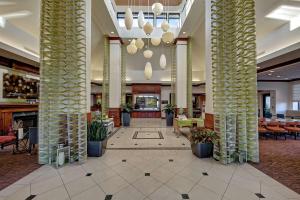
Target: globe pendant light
<point>148,71</point>
<point>168,37</point>
<point>165,26</point>
<point>139,43</point>
<point>155,41</point>
<point>131,48</point>
<point>141,19</point>
<point>157,8</point>
<point>148,28</point>
<point>148,54</point>
<point>163,61</point>
<point>128,19</point>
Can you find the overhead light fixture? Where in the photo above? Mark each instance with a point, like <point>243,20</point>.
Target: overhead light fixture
<point>139,43</point>
<point>2,22</point>
<point>128,19</point>
<point>148,28</point>
<point>155,41</point>
<point>163,61</point>
<point>278,76</point>
<point>148,54</point>
<point>287,13</point>
<point>141,19</point>
<point>272,71</point>
<point>165,26</point>
<point>270,74</point>
<point>183,32</point>
<point>131,48</point>
<point>112,32</point>
<point>168,37</point>
<point>157,8</point>
<point>148,71</point>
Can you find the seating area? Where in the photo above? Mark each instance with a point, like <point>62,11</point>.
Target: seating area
<point>278,128</point>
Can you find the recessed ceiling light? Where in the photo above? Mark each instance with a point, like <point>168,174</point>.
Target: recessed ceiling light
<point>257,67</point>
<point>183,32</point>
<point>270,74</point>
<point>278,76</point>
<point>271,71</point>
<point>287,13</point>
<point>112,32</point>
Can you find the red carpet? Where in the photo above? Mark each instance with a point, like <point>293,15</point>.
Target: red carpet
<point>14,167</point>
<point>280,159</point>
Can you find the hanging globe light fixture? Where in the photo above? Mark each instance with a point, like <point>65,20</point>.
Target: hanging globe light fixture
<point>148,71</point>
<point>141,19</point>
<point>148,28</point>
<point>157,8</point>
<point>163,61</point>
<point>128,19</point>
<point>155,41</point>
<point>148,54</point>
<point>131,48</point>
<point>168,37</point>
<point>165,26</point>
<point>139,43</point>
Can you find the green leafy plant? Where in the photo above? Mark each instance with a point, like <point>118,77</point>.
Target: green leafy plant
<point>97,131</point>
<point>203,135</point>
<point>169,108</point>
<point>126,108</point>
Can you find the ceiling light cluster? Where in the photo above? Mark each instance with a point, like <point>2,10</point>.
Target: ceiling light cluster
<point>287,13</point>
<point>135,45</point>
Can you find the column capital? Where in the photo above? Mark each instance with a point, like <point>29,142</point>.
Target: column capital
<point>181,41</point>
<point>115,40</point>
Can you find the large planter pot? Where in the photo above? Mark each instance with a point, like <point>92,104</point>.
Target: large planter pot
<point>203,150</point>
<point>169,119</point>
<point>125,119</point>
<point>96,149</point>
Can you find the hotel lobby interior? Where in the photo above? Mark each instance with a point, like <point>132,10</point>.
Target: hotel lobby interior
<point>149,99</point>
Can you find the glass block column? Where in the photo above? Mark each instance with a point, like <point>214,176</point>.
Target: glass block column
<point>63,78</point>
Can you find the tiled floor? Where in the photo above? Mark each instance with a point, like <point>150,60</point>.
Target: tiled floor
<point>148,175</point>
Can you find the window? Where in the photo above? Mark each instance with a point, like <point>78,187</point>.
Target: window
<point>296,105</point>
<point>174,19</point>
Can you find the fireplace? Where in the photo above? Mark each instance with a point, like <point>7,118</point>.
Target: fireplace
<point>29,119</point>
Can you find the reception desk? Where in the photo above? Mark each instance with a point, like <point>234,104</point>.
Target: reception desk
<point>137,113</point>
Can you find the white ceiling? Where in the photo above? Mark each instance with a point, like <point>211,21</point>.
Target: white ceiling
<point>286,73</point>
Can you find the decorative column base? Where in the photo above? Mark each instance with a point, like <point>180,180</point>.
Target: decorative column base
<point>209,121</point>
<point>115,113</point>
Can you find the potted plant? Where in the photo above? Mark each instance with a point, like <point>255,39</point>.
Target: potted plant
<point>169,109</point>
<point>202,142</point>
<point>126,110</point>
<point>97,138</point>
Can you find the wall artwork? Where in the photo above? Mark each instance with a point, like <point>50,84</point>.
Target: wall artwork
<point>20,87</point>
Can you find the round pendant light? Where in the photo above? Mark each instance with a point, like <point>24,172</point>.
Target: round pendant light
<point>157,8</point>
<point>139,43</point>
<point>131,48</point>
<point>128,19</point>
<point>148,28</point>
<point>141,19</point>
<point>163,61</point>
<point>165,26</point>
<point>155,41</point>
<point>168,37</point>
<point>148,54</point>
<point>148,71</point>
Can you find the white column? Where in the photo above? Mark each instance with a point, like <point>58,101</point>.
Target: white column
<point>88,24</point>
<point>208,60</point>
<point>181,79</point>
<point>115,74</point>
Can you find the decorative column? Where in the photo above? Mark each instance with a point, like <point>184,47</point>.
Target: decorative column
<point>63,79</point>
<point>234,83</point>
<point>181,75</point>
<point>189,97</point>
<point>115,80</point>
<point>173,75</point>
<point>106,76</point>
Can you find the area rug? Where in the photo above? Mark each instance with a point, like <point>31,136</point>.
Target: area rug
<point>280,159</point>
<point>15,166</point>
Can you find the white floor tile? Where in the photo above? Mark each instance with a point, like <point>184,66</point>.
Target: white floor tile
<point>128,193</point>
<point>147,185</point>
<point>92,193</point>
<point>113,185</point>
<point>79,185</point>
<point>165,193</point>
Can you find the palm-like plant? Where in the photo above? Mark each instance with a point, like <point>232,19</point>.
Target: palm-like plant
<point>169,108</point>
<point>97,131</point>
<point>203,135</point>
<point>127,108</point>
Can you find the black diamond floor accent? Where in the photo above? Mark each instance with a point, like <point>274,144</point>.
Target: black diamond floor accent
<point>205,174</point>
<point>108,197</point>
<point>147,174</point>
<point>185,196</point>
<point>171,160</point>
<point>135,144</point>
<point>30,197</point>
<point>183,144</point>
<point>159,144</point>
<point>88,174</point>
<point>259,195</point>
<point>111,144</point>
<point>124,160</point>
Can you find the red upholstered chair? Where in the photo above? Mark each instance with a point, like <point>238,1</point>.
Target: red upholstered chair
<point>8,139</point>
<point>292,128</point>
<point>274,127</point>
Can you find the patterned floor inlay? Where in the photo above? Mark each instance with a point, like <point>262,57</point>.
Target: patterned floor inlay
<point>148,135</point>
